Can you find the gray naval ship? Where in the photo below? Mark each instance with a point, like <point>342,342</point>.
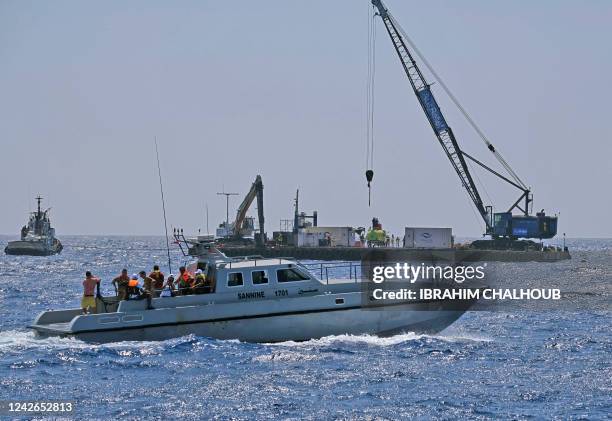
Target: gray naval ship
<point>37,237</point>
<point>252,299</point>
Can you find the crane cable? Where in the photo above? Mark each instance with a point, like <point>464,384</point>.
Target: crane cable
<point>454,99</point>
<point>370,101</point>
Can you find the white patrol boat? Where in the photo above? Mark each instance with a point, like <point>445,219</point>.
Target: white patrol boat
<point>255,300</point>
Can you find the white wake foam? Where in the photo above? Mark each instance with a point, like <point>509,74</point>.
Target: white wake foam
<point>384,341</point>
<point>18,340</point>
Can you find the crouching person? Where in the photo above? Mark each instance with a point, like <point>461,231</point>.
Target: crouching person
<point>133,291</point>
<point>169,289</point>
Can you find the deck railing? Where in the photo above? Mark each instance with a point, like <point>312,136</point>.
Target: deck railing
<point>324,270</point>
<point>335,270</point>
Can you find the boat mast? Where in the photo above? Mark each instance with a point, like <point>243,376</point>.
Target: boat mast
<point>38,200</point>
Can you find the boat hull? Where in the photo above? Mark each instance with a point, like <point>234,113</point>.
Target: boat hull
<point>301,326</point>
<point>32,248</point>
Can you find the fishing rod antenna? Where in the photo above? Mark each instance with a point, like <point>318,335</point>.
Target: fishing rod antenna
<point>161,189</point>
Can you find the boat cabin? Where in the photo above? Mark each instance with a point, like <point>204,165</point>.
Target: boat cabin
<point>252,278</point>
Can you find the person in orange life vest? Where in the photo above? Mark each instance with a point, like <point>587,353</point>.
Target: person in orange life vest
<point>88,302</point>
<point>133,290</point>
<point>158,277</point>
<point>185,281</point>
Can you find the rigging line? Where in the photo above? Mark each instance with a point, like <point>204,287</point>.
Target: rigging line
<point>368,91</point>
<point>483,186</point>
<point>373,91</point>
<point>458,104</point>
<point>509,169</point>
<point>161,189</point>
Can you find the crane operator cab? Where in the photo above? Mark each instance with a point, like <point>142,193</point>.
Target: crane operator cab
<point>524,226</point>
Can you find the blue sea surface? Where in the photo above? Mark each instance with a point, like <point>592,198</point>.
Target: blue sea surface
<point>488,365</point>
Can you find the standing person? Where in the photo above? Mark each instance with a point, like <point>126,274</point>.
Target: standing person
<point>392,240</point>
<point>88,301</point>
<point>149,288</point>
<point>397,241</point>
<point>121,283</point>
<point>158,278</point>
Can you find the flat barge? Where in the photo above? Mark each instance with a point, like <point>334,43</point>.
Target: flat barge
<point>358,253</point>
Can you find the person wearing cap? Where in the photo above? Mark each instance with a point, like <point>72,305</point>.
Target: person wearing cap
<point>121,283</point>
<point>149,288</point>
<point>169,289</point>
<point>158,278</point>
<point>133,290</point>
<point>88,302</point>
<point>199,283</point>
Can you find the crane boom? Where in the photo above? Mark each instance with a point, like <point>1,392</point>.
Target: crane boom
<point>498,225</point>
<point>432,110</point>
<point>255,191</point>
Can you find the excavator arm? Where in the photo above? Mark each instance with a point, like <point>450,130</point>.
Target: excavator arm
<point>255,191</point>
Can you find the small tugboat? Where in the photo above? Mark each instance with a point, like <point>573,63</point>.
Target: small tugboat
<point>37,237</point>
<point>251,299</point>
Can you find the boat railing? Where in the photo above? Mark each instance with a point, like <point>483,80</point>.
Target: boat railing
<point>335,270</point>
<point>254,259</point>
<point>324,270</point>
<point>251,257</point>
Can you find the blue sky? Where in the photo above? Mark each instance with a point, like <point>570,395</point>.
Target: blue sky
<point>238,88</point>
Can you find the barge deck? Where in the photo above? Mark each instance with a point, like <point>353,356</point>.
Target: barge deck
<point>358,253</point>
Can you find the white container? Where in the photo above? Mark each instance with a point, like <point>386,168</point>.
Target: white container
<point>434,238</point>
<point>309,239</point>
<point>340,236</point>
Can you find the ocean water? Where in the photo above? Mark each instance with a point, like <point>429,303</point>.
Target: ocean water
<point>552,364</point>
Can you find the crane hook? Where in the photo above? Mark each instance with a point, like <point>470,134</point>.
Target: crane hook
<point>369,176</point>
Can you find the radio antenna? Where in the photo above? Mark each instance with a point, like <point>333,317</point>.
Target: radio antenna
<point>207,230</point>
<point>161,189</point>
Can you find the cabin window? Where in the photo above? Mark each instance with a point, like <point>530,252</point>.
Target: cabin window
<point>234,279</point>
<point>259,277</point>
<point>289,275</point>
